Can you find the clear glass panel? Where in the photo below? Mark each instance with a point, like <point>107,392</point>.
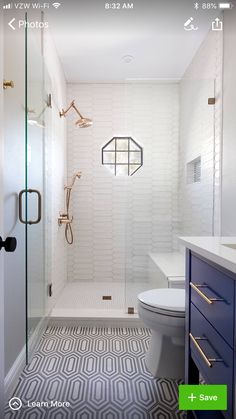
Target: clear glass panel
<point>133,168</point>
<point>122,144</point>
<point>122,157</point>
<point>108,157</point>
<point>133,146</point>
<point>153,220</point>
<point>121,170</point>
<point>135,157</point>
<point>111,168</point>
<point>13,128</point>
<point>36,107</point>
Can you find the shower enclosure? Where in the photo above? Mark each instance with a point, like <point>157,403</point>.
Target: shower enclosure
<point>148,176</point>
<point>25,115</point>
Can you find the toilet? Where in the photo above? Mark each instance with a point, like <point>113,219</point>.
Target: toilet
<point>163,311</point>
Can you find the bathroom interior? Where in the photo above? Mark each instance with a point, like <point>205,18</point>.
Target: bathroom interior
<point>116,141</point>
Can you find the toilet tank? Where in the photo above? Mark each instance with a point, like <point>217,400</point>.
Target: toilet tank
<point>167,270</point>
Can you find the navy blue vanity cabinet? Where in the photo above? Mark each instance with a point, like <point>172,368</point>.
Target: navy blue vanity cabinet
<point>210,323</point>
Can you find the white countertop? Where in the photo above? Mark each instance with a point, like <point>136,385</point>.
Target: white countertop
<point>212,248</point>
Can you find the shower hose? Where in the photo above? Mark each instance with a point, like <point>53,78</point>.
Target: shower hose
<point>68,230</point>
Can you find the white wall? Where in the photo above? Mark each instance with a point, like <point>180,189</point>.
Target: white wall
<point>229,127</point>
<point>118,220</point>
<point>200,134</point>
<point>56,161</point>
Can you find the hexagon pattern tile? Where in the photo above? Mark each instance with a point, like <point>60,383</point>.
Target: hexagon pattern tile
<point>101,372</point>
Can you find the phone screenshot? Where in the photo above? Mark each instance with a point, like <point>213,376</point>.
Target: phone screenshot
<point>117,209</point>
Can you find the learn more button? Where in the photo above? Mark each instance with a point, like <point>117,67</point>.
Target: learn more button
<point>203,397</point>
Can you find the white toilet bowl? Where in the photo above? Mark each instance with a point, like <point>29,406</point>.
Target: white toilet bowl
<point>163,311</point>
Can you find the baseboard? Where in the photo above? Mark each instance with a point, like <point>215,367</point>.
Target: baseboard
<point>13,375</point>
<point>95,322</point>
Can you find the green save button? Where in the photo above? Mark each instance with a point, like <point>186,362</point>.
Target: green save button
<point>202,397</point>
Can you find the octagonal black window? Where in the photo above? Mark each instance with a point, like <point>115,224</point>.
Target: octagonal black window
<point>122,156</point>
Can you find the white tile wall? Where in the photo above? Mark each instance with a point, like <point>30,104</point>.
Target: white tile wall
<point>200,134</point>
<point>118,220</point>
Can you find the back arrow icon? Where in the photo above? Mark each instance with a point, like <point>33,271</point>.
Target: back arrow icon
<point>10,24</point>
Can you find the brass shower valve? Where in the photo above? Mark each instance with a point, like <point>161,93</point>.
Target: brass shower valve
<point>64,219</point>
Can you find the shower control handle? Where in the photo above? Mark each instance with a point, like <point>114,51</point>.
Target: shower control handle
<point>9,244</point>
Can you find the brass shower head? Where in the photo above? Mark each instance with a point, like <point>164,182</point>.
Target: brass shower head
<point>82,122</point>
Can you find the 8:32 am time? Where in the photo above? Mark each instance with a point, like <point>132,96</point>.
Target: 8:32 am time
<point>118,6</point>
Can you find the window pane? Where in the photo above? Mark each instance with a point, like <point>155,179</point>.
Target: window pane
<point>122,157</point>
<point>109,157</point>
<point>111,168</point>
<point>133,146</point>
<point>133,168</point>
<point>121,170</point>
<point>135,157</point>
<point>122,144</point>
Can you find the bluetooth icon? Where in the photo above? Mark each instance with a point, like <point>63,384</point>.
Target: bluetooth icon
<point>196,6</point>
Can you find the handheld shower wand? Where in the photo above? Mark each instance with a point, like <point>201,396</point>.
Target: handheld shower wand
<point>64,218</point>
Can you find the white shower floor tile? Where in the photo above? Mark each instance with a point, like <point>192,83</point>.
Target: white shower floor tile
<point>84,300</point>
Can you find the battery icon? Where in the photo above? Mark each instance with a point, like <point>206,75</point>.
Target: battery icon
<point>225,6</point>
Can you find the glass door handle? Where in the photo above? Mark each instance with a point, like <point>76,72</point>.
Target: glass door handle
<point>9,244</point>
<point>38,219</point>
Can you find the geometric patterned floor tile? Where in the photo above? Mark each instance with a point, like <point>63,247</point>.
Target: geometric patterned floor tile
<point>99,372</point>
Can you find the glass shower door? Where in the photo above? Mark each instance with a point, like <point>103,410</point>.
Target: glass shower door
<point>13,181</point>
<point>35,188</point>
<point>173,194</point>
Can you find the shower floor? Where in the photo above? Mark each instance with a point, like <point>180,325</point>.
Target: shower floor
<point>84,300</point>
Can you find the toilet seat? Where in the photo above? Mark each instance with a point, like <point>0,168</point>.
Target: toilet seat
<point>165,301</point>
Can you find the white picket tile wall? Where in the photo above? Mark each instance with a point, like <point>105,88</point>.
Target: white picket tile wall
<point>118,220</point>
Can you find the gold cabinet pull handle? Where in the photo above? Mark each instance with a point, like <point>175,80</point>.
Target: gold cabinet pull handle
<point>207,360</point>
<point>204,296</point>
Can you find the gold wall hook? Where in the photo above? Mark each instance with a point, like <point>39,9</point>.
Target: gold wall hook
<point>8,84</point>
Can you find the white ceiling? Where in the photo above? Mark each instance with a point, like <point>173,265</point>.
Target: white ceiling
<point>91,40</point>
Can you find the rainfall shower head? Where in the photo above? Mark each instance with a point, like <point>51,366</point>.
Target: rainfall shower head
<point>82,122</point>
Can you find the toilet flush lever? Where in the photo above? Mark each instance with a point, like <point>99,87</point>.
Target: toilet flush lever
<point>9,244</point>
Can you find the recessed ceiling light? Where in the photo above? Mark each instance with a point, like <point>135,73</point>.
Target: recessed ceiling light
<point>127,59</point>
